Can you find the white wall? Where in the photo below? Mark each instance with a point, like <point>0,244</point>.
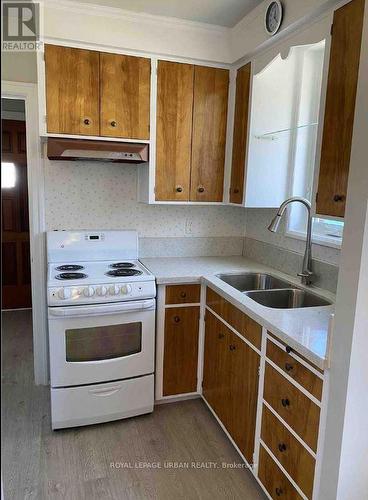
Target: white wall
<point>344,474</point>
<point>104,195</point>
<point>19,67</point>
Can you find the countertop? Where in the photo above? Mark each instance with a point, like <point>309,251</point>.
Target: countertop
<point>305,329</point>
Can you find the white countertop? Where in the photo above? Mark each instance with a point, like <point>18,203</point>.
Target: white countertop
<point>304,329</point>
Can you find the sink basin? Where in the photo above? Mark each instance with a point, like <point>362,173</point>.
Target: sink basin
<point>287,299</point>
<point>253,281</point>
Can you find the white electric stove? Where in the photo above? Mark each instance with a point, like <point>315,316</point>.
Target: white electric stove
<point>101,314</point>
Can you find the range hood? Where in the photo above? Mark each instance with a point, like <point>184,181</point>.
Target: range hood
<point>92,150</point>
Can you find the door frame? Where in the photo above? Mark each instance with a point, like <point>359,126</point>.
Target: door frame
<point>27,92</point>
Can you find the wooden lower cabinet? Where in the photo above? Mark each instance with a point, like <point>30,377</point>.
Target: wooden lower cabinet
<point>291,454</point>
<point>230,382</point>
<point>273,479</point>
<point>180,350</point>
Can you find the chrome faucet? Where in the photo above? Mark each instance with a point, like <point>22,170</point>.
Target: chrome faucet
<point>307,273</point>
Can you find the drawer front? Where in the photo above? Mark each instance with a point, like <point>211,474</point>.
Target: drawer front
<point>292,455</point>
<point>244,325</point>
<point>274,480</point>
<point>292,405</point>
<point>295,370</point>
<point>183,294</point>
<point>93,404</point>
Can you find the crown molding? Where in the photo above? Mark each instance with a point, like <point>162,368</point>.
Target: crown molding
<point>127,15</point>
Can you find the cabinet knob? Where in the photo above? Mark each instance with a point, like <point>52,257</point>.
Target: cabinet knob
<point>282,447</point>
<point>179,189</point>
<point>278,492</point>
<point>86,121</point>
<point>201,189</point>
<point>339,197</point>
<point>289,367</point>
<point>183,295</point>
<point>285,402</point>
<point>232,347</point>
<point>221,335</point>
<point>236,190</point>
<point>288,349</point>
<point>177,319</point>
<point>113,123</point>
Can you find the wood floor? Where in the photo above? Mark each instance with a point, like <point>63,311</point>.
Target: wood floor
<point>38,463</point>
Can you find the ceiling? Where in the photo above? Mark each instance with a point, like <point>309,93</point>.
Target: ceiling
<point>220,12</point>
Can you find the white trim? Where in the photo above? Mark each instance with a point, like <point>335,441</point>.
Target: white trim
<point>184,304</point>
<point>316,240</point>
<point>160,341</point>
<point>177,397</point>
<point>99,138</point>
<point>36,201</point>
<point>257,435</point>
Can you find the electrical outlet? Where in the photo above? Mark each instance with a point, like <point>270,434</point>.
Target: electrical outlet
<point>189,226</point>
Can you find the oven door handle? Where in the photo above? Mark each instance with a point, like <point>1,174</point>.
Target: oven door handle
<point>98,310</point>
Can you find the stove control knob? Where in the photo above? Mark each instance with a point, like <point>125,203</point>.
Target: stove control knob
<point>124,289</point>
<point>89,291</point>
<point>129,288</point>
<point>65,293</point>
<point>101,290</point>
<point>114,289</point>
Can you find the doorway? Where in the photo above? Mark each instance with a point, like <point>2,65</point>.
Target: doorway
<point>16,265</point>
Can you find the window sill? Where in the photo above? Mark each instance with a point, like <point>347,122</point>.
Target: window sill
<point>316,239</point>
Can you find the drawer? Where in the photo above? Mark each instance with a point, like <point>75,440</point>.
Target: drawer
<point>274,480</point>
<point>92,404</point>
<point>291,454</point>
<point>183,294</point>
<point>292,405</point>
<point>300,373</point>
<point>242,323</point>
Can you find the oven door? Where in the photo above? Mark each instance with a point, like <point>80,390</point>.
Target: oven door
<point>100,343</point>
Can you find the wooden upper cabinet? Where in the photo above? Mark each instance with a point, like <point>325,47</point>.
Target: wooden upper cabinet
<point>174,130</point>
<point>240,133</point>
<point>125,96</point>
<point>340,107</point>
<point>211,87</point>
<point>72,90</point>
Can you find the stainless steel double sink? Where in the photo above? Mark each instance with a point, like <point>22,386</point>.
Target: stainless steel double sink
<point>273,292</point>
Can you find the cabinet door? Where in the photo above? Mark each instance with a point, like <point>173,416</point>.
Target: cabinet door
<point>340,106</point>
<point>180,350</point>
<point>241,424</point>
<point>72,90</point>
<point>240,134</point>
<point>174,131</point>
<point>125,96</point>
<point>209,133</point>
<point>216,368</point>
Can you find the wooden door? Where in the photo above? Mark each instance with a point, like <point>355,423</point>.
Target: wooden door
<point>211,87</point>
<point>340,107</point>
<point>72,90</point>
<point>216,368</point>
<point>244,364</point>
<point>180,350</point>
<point>125,83</point>
<point>240,134</point>
<point>174,131</point>
<point>16,269</point>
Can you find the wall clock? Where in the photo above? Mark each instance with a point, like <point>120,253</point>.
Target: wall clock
<point>273,17</point>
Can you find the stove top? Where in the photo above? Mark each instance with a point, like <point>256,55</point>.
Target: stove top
<point>86,267</point>
<point>97,272</point>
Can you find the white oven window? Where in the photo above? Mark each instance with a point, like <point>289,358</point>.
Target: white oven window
<point>103,342</point>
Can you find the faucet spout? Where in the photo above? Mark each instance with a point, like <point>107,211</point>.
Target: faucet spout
<point>306,274</point>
